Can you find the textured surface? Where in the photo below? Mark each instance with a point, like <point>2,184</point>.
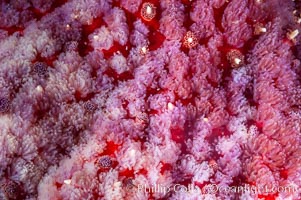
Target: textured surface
<point>97,100</point>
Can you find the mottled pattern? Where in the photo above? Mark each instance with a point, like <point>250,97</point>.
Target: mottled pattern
<point>105,162</point>
<point>99,102</point>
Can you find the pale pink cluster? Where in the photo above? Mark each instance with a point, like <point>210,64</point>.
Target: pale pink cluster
<point>69,129</point>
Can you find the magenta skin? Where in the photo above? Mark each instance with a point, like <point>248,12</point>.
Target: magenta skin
<point>99,102</point>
